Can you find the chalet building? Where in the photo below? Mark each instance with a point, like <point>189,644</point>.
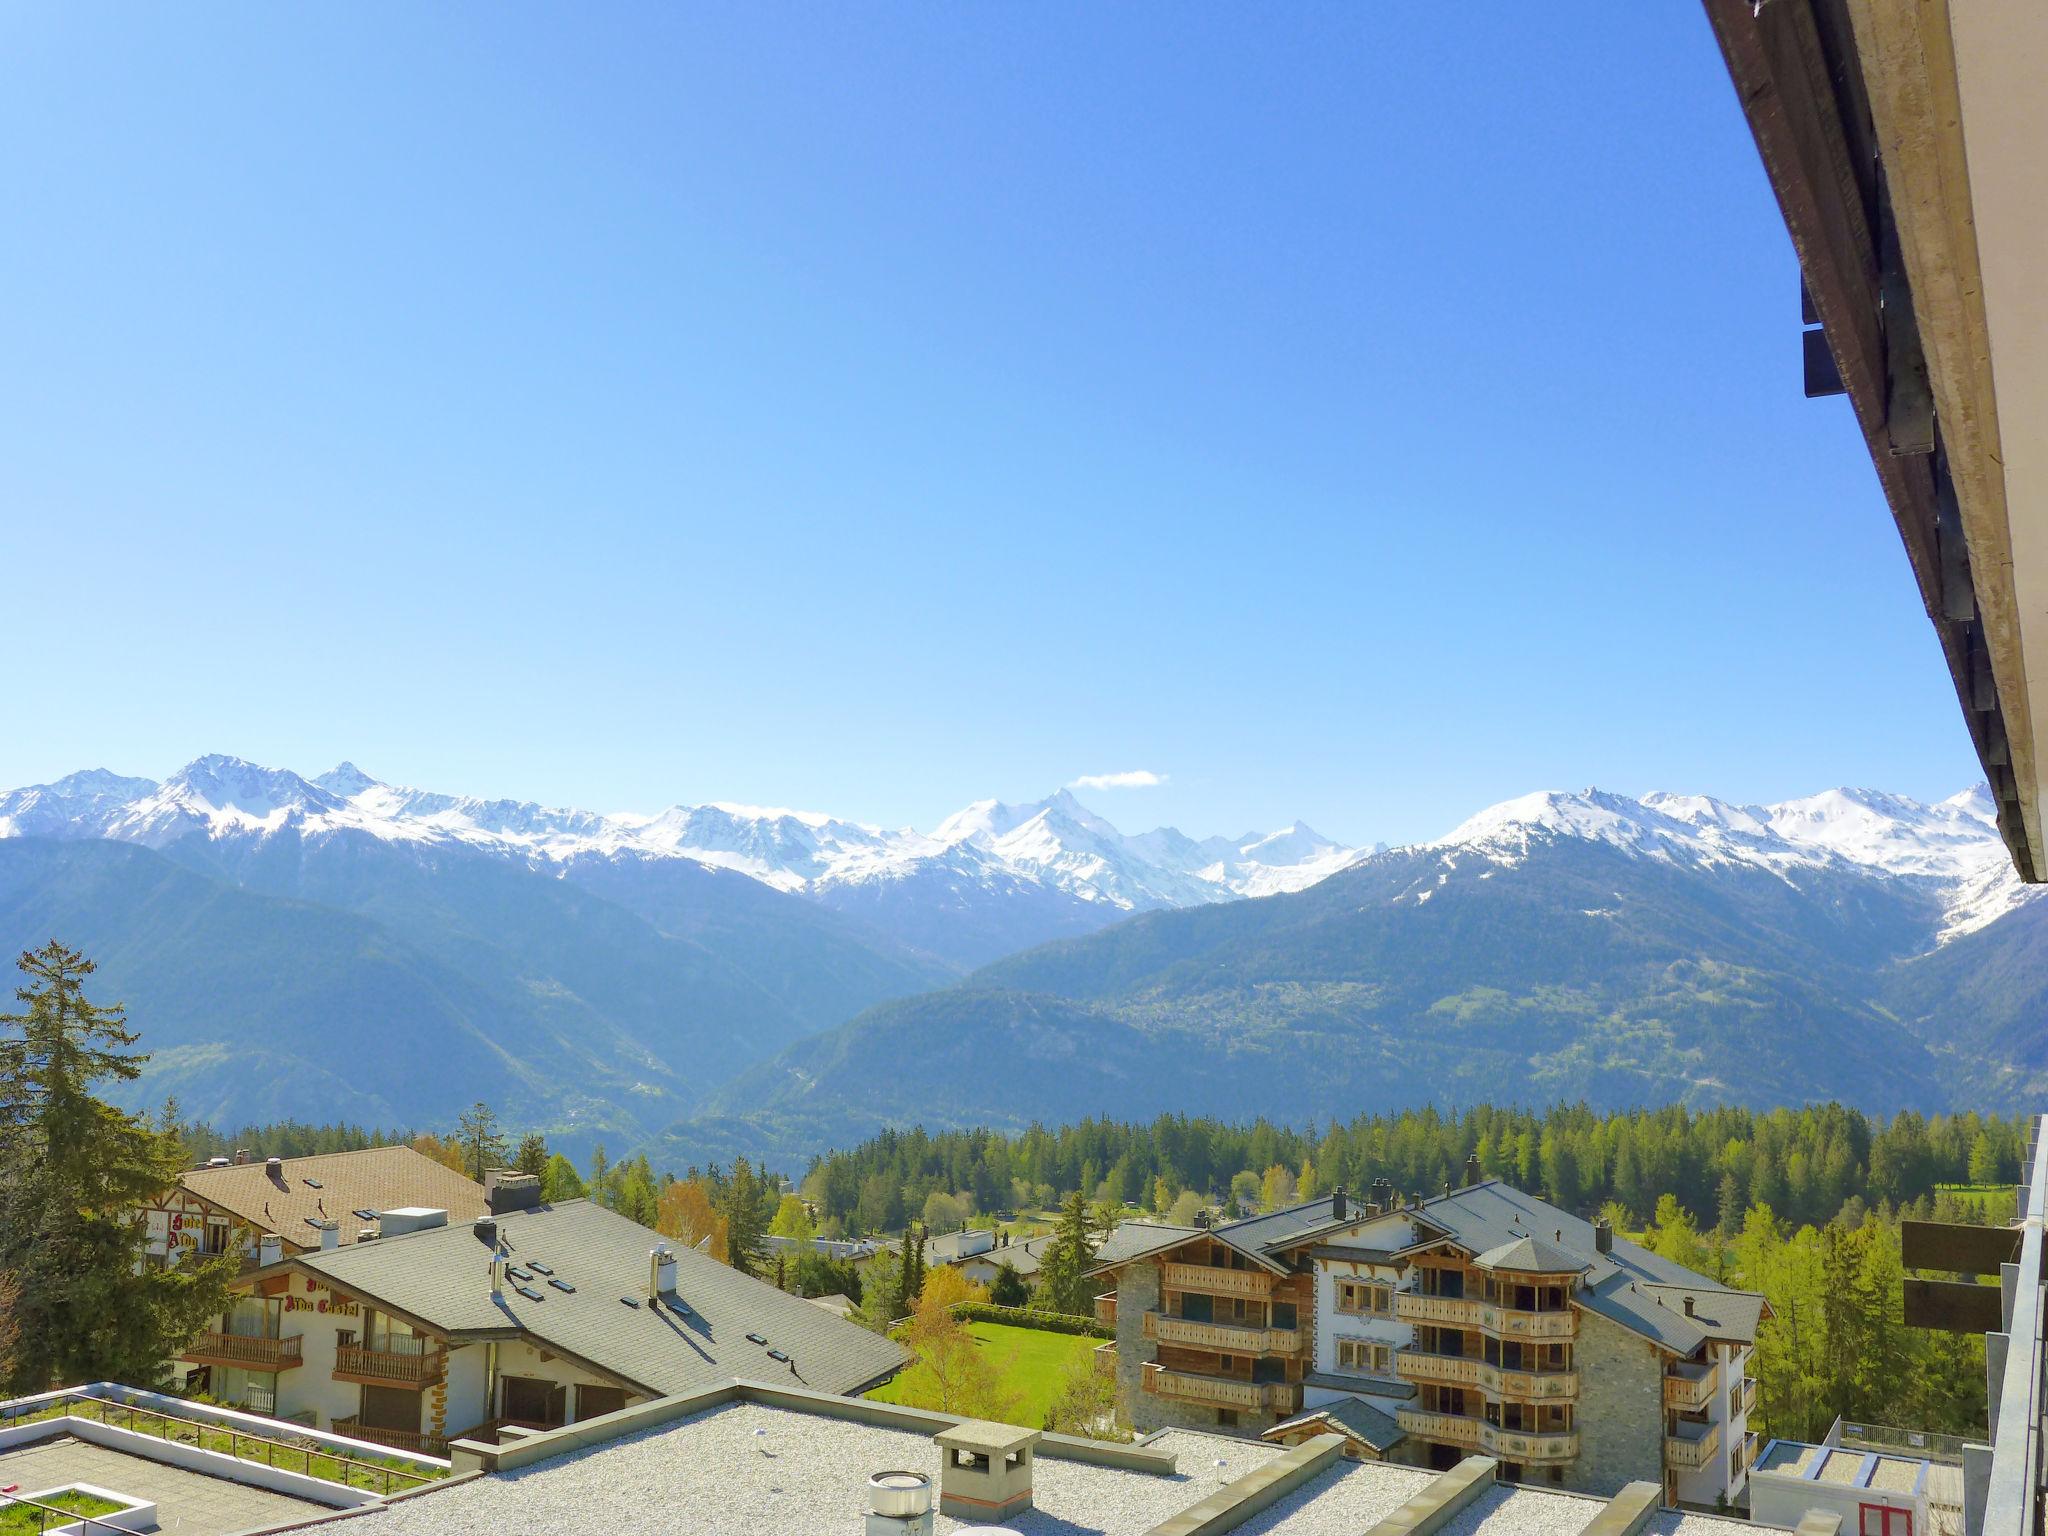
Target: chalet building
<point>1485,1320</point>
<point>428,1330</point>
<point>301,1204</point>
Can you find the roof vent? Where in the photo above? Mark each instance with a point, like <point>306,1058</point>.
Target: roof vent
<point>985,1473</point>
<point>366,1235</point>
<point>274,1165</point>
<point>497,1275</point>
<point>899,1504</point>
<point>486,1231</point>
<point>217,1162</point>
<point>241,1156</point>
<point>411,1218</point>
<point>1688,1306</point>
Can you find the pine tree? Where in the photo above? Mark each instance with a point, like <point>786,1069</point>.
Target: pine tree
<point>1062,1273</point>
<point>740,1204</point>
<point>482,1142</point>
<point>532,1156</point>
<point>73,1173</point>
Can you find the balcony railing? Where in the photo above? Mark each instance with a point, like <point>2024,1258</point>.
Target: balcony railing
<point>1691,1385</point>
<point>1693,1445</point>
<point>397,1439</point>
<point>1523,1445</point>
<point>243,1352</point>
<point>1105,1308</point>
<point>1216,1280</point>
<point>1105,1358</point>
<point>405,1366</point>
<point>1424,1365</point>
<point>1223,1392</point>
<point>1227,1338</point>
<point>1748,1395</point>
<point>1501,1322</point>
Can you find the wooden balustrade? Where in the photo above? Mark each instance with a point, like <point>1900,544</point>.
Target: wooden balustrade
<point>243,1351</point>
<point>1693,1446</point>
<point>1217,1280</point>
<point>390,1367</point>
<point>1690,1386</point>
<point>1228,1338</point>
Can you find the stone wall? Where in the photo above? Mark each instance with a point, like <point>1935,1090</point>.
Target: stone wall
<point>1621,1409</point>
<point>1137,1292</point>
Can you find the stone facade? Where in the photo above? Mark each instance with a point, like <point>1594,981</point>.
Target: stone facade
<point>1138,1292</point>
<point>1620,1415</point>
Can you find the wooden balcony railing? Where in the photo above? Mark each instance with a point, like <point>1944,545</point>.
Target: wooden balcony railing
<point>1691,1385</point>
<point>1501,1322</point>
<point>1748,1394</point>
<point>1693,1446</point>
<point>1228,1338</point>
<point>1105,1308</point>
<point>1216,1280</point>
<point>243,1352</point>
<point>390,1367</point>
<point>1424,1365</point>
<point>397,1439</point>
<point>1223,1392</point>
<point>1105,1358</point>
<point>1476,1434</point>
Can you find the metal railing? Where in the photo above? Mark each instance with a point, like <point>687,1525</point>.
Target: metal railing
<point>48,1515</point>
<point>2012,1501</point>
<point>327,1463</point>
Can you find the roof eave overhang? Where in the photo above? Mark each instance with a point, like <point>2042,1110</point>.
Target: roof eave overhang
<point>1854,108</point>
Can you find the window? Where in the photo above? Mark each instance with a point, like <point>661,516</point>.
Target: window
<point>1882,1520</point>
<point>1362,1355</point>
<point>1226,1418</point>
<point>592,1401</point>
<point>1366,1298</point>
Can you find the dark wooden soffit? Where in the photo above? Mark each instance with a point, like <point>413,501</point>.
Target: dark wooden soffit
<point>1794,66</point>
<point>1953,1306</point>
<point>1957,1249</point>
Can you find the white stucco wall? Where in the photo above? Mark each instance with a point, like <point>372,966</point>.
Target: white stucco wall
<point>317,1315</point>
<point>1717,1479</point>
<point>1386,1233</point>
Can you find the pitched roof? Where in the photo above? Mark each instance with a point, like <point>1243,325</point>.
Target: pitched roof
<point>697,1336</point>
<point>333,1186</point>
<point>1351,1416</point>
<point>1720,1313</point>
<point>1531,1255</point>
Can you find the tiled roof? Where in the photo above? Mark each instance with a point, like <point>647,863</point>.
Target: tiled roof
<point>333,1186</point>
<point>441,1277</point>
<point>1352,1416</point>
<point>1531,1256</point>
<point>1720,1313</point>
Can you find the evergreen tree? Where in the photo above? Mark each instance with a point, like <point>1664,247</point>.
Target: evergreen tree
<point>600,1175</point>
<point>532,1156</point>
<point>740,1205</point>
<point>1008,1288</point>
<point>481,1141</point>
<point>1062,1272</point>
<point>73,1172</point>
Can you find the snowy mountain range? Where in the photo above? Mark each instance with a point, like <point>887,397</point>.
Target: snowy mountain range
<point>1052,849</point>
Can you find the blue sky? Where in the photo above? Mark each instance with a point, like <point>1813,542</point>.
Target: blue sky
<point>1354,413</point>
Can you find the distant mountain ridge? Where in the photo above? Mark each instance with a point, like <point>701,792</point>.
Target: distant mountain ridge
<point>1013,874</point>
<point>1851,944</point>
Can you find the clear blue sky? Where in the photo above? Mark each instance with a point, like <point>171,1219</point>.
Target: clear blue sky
<point>1360,413</point>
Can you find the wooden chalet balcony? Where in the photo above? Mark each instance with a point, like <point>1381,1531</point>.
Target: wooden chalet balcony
<point>1497,1381</point>
<point>1748,1401</point>
<point>397,1439</point>
<point>1105,1308</point>
<point>242,1352</point>
<point>1693,1446</point>
<point>1228,1338</point>
<point>1221,1391</point>
<point>1523,1445</point>
<point>1691,1385</point>
<point>1216,1280</point>
<point>403,1367</point>
<point>1501,1322</point>
<point>1424,1365</point>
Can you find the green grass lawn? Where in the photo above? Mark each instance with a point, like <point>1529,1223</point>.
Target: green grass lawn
<point>1034,1363</point>
<point>21,1520</point>
<point>1996,1201</point>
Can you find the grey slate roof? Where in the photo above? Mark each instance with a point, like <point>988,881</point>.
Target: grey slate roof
<point>1628,1285</point>
<point>1504,1228</point>
<point>1531,1255</point>
<point>1352,1416</point>
<point>442,1278</point>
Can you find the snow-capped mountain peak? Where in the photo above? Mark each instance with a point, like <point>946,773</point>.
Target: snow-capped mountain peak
<point>1056,843</point>
<point>1953,844</point>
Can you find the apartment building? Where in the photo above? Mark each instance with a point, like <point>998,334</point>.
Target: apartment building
<point>301,1204</point>
<point>1483,1320</point>
<point>429,1330</point>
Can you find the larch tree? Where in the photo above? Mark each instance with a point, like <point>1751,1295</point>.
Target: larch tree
<point>75,1173</point>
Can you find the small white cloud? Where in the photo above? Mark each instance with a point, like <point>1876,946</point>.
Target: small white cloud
<point>1136,778</point>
